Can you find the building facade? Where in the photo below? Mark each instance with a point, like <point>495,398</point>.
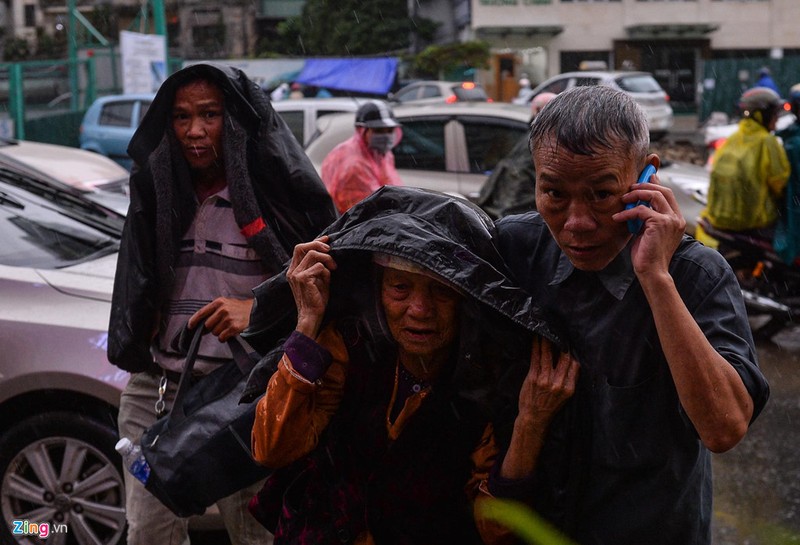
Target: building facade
<point>670,38</point>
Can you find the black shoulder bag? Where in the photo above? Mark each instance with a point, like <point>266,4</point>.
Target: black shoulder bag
<point>200,452</point>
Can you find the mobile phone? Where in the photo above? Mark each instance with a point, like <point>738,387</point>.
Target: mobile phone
<point>635,225</point>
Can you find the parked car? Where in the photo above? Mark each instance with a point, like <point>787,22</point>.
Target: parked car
<point>642,86</point>
<point>434,92</point>
<point>446,147</point>
<point>110,122</point>
<point>301,114</point>
<point>59,395</point>
<point>100,178</point>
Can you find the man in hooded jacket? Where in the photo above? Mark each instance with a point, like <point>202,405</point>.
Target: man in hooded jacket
<point>220,194</point>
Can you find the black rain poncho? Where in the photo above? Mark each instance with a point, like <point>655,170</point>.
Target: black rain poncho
<point>447,235</point>
<point>272,185</point>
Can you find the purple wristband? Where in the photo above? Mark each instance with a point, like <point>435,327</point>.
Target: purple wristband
<point>308,358</point>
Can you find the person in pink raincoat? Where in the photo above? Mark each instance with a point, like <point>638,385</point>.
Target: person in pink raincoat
<point>364,162</point>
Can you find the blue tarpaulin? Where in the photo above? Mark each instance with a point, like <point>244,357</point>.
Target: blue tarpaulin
<point>374,76</point>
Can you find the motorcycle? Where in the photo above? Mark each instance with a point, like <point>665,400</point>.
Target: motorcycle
<point>770,286</point>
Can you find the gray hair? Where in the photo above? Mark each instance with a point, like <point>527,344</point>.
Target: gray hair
<point>592,119</point>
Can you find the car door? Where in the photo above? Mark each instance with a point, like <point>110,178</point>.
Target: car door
<point>425,156</point>
<point>480,142</point>
<point>117,122</point>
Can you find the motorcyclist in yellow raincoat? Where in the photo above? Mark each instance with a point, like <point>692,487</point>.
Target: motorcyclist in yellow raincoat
<point>750,170</point>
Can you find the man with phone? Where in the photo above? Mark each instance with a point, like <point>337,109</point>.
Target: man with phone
<point>668,370</point>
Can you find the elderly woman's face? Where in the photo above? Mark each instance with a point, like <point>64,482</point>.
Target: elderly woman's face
<point>421,313</point>
<point>197,119</point>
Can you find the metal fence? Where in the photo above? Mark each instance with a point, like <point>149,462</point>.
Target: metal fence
<point>45,101</point>
<point>724,80</point>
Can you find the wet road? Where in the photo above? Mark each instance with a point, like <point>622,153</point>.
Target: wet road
<point>757,484</point>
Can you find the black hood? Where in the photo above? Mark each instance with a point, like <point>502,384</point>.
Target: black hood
<point>447,235</point>
<point>285,181</point>
<point>236,87</point>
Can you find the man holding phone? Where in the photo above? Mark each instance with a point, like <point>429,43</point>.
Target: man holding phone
<point>668,370</point>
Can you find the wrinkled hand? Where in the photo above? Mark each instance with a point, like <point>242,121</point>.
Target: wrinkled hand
<point>309,276</point>
<point>224,317</point>
<point>663,229</point>
<point>547,386</point>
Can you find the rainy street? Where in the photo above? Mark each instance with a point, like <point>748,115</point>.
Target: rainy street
<point>757,484</point>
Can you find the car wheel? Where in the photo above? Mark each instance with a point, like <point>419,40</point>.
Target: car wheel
<point>60,471</point>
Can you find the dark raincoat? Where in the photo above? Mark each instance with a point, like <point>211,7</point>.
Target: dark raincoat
<point>511,188</point>
<point>787,234</point>
<point>278,200</point>
<point>392,482</point>
<point>447,235</point>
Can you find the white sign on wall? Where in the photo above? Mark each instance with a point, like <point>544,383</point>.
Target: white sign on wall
<point>144,61</point>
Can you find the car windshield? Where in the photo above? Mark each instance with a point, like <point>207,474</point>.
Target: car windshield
<point>642,83</point>
<point>51,228</point>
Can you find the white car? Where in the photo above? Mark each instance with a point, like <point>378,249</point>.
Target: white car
<point>100,178</point>
<point>301,114</point>
<point>642,87</point>
<point>445,147</point>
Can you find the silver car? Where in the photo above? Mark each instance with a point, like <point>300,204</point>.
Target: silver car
<point>438,91</point>
<point>60,477</point>
<point>445,147</point>
<point>642,87</point>
<point>454,147</point>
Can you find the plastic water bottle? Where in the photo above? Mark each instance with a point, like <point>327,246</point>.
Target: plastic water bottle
<point>133,459</point>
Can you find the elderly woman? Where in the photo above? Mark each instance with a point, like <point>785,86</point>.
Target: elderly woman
<point>380,413</point>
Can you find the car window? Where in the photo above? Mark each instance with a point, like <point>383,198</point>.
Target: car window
<point>117,114</point>
<point>405,95</point>
<point>430,91</point>
<point>295,121</point>
<point>144,106</point>
<point>556,87</point>
<point>422,145</point>
<point>470,92</point>
<point>489,140</point>
<point>639,84</point>
<point>586,82</point>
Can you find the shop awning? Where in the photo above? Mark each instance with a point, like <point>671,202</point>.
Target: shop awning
<point>670,31</point>
<point>374,76</point>
<point>519,31</point>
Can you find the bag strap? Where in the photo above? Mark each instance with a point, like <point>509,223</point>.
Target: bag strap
<point>243,360</point>
<point>186,374</point>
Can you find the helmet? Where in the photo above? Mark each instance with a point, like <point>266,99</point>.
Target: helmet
<point>539,101</point>
<point>760,103</point>
<point>375,115</point>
